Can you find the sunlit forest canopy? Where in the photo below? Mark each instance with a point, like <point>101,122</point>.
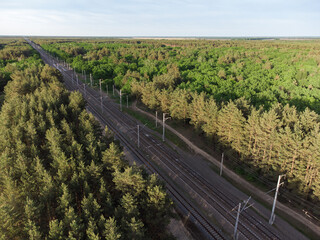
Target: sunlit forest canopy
<point>263,72</point>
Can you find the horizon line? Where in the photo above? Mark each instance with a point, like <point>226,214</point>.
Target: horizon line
<point>155,36</point>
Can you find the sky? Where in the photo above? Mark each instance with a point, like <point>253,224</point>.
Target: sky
<point>199,18</point>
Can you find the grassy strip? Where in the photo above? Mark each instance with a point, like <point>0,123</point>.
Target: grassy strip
<point>150,123</point>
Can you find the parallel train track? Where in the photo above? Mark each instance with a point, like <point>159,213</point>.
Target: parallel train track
<point>251,226</point>
<point>211,231</point>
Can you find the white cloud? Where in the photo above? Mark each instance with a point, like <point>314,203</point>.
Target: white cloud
<point>165,17</point>
<point>46,22</point>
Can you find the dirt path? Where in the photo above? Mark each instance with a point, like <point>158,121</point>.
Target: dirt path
<point>262,196</point>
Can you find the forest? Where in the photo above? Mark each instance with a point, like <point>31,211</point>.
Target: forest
<point>61,175</point>
<point>258,100</point>
<point>14,54</point>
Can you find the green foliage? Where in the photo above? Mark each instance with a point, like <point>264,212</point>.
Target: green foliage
<point>263,72</point>
<point>15,54</point>
<point>259,99</point>
<point>129,181</point>
<point>180,104</point>
<point>60,178</point>
<point>111,231</point>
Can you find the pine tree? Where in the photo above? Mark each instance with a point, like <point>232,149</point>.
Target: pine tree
<point>267,135</point>
<point>293,140</point>
<point>11,209</point>
<point>158,211</point>
<point>180,104</point>
<point>197,109</point>
<point>251,132</point>
<point>56,230</point>
<point>90,208</point>
<point>92,231</point>
<point>32,214</point>
<point>129,181</point>
<point>94,172</point>
<point>76,104</point>
<point>149,96</point>
<point>111,231</point>
<point>311,171</point>
<point>308,119</point>
<point>134,229</point>
<point>59,158</point>
<point>65,201</point>
<point>129,206</point>
<point>164,97</point>
<point>112,158</point>
<point>105,199</point>
<point>210,117</point>
<point>231,126</point>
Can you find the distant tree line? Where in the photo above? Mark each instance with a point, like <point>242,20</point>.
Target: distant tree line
<point>61,177</point>
<point>263,72</point>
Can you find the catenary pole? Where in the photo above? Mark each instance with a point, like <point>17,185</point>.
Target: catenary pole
<point>240,210</point>
<point>164,125</point>
<point>273,216</point>
<point>235,232</point>
<point>120,101</point>
<point>138,136</point>
<point>100,95</point>
<point>221,164</point>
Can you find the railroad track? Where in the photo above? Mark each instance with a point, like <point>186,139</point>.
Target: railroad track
<point>211,231</point>
<point>169,159</point>
<point>245,231</point>
<point>250,227</point>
